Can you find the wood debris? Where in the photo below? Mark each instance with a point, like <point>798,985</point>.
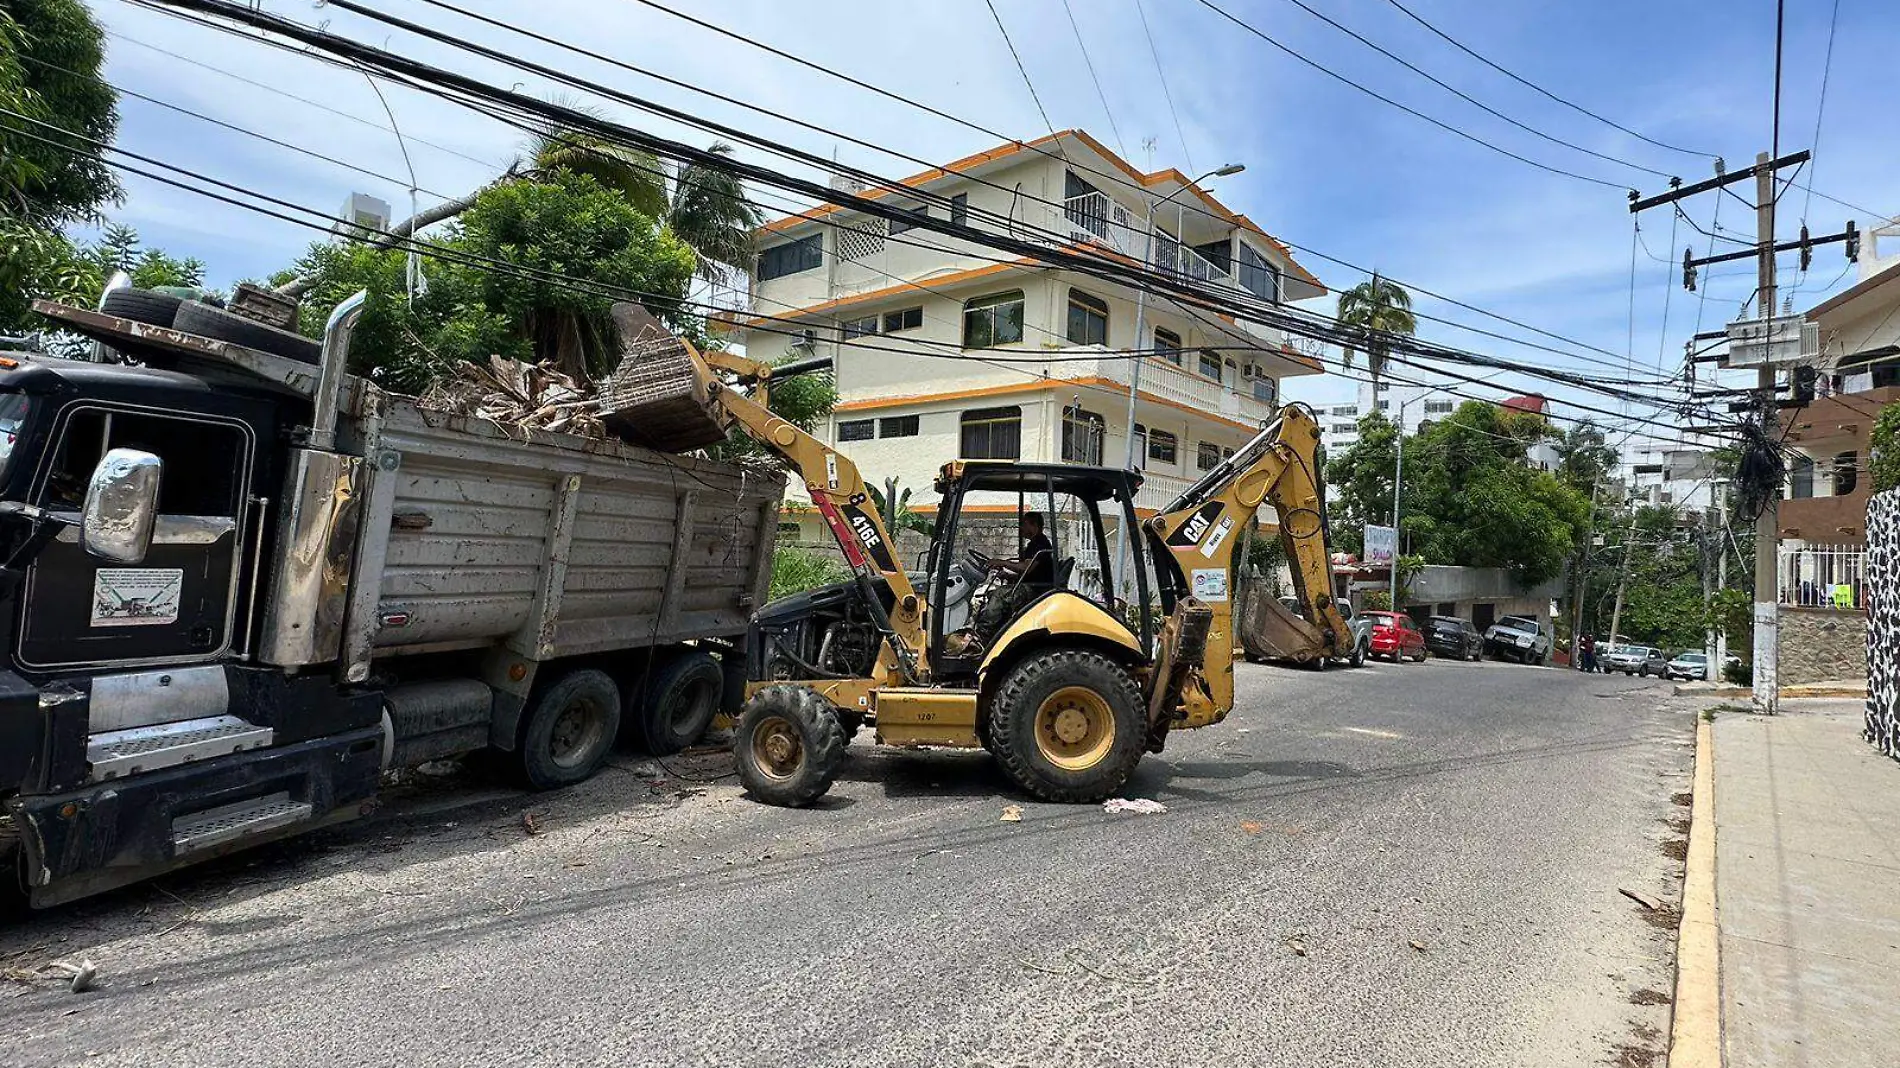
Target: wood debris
<point>533,396</point>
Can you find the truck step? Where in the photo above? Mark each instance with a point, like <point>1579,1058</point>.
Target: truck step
<point>137,749</point>
<point>213,826</point>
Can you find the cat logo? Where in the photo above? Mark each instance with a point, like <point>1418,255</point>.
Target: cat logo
<point>1197,525</point>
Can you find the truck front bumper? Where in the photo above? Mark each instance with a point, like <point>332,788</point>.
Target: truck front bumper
<point>109,834</point>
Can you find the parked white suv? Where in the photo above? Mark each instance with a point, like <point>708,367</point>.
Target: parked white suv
<point>1517,637</point>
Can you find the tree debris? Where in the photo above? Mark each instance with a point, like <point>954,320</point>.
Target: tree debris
<point>1649,904</point>
<point>1416,944</point>
<point>1143,805</point>
<point>532,396</point>
<point>1296,943</point>
<point>1012,814</point>
<point>530,824</point>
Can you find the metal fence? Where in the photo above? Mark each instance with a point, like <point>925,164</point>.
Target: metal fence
<point>1823,576</point>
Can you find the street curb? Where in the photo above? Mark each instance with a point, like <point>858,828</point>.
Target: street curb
<point>1695,1032</point>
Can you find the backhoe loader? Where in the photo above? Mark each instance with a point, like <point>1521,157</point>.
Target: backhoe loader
<point>1040,662</point>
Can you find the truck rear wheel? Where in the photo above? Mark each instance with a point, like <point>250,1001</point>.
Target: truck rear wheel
<point>1068,725</point>
<point>570,729</point>
<point>678,700</point>
<point>789,746</point>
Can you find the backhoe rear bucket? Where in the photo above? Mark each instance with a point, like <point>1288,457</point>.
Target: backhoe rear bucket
<point>661,394</point>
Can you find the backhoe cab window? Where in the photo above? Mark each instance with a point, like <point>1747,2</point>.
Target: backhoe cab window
<point>203,461</point>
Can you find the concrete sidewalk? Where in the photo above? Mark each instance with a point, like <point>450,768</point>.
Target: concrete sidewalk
<point>1807,840</point>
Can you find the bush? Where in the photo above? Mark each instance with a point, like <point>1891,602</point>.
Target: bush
<point>1738,673</point>
<point>1375,601</point>
<point>796,569</point>
<point>1884,460</point>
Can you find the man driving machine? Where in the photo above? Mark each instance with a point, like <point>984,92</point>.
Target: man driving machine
<point>1035,564</point>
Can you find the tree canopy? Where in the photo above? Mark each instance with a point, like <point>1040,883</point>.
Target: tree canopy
<point>50,55</point>
<point>1468,497</point>
<point>1379,307</point>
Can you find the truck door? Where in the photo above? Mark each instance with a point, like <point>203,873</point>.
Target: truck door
<point>178,603</point>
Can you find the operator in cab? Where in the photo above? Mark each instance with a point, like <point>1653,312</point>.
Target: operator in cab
<point>1036,562</point>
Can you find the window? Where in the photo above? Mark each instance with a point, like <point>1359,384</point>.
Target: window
<point>1265,389</point>
<point>1347,409</point>
<point>907,319</point>
<point>897,426</point>
<point>1088,319</point>
<point>960,210</point>
<point>1082,436</point>
<point>1161,446</point>
<point>1141,446</point>
<point>1207,456</point>
<point>993,320</point>
<point>1210,364</point>
<point>1439,407</point>
<point>1801,477</point>
<point>859,327</point>
<point>1218,253</point>
<point>1344,428</point>
<point>1257,276</point>
<point>1226,454</point>
<point>909,220</point>
<point>1846,473</point>
<point>992,434</point>
<point>1385,405</point>
<point>857,430</point>
<point>1168,345</point>
<point>791,257</point>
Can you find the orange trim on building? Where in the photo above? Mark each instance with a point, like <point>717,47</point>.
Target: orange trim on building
<point>1091,382</point>
<point>940,282</point>
<point>956,168</point>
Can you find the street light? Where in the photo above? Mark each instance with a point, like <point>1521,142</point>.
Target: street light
<point>1398,471</point>
<point>1141,333</point>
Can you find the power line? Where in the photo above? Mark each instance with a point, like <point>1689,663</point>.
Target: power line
<point>1579,108</point>
<point>1161,74</point>
<point>1466,97</point>
<point>1414,112</point>
<point>1004,30</point>
<point>1090,64</point>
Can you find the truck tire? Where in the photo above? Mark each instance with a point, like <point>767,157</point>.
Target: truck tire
<point>1068,725</point>
<point>789,746</point>
<point>220,325</point>
<point>677,701</point>
<point>570,729</point>
<point>142,306</point>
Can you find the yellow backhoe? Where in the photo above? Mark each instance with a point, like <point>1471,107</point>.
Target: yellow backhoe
<point>1017,641</point>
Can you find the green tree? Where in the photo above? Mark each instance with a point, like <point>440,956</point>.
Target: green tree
<point>1584,455</point>
<point>54,51</point>
<point>1884,460</point>
<point>1359,483</point>
<point>1379,308</point>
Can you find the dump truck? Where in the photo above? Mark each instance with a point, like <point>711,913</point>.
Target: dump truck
<point>240,584</point>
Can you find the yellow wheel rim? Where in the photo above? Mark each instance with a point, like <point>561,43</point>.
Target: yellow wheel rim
<point>1074,728</point>
<point>776,748</point>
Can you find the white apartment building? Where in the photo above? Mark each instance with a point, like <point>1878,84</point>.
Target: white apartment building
<point>1684,479</point>
<point>945,349</point>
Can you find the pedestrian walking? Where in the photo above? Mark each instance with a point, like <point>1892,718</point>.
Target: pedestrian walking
<point>1587,653</point>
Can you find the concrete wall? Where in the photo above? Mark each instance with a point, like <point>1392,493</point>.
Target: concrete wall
<point>1821,645</point>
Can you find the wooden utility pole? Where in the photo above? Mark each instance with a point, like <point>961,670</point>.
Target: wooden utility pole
<point>1623,574</point>
<point>1766,524</point>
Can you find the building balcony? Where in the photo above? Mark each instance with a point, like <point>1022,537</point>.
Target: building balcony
<point>1163,380</point>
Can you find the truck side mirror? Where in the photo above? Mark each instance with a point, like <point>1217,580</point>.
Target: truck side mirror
<point>121,506</point>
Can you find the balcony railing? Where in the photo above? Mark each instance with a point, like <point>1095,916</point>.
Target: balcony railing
<point>1823,576</point>
<point>1096,219</point>
<point>1162,379</point>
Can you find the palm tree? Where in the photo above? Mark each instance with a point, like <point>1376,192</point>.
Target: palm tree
<point>1379,308</point>
<point>710,213</point>
<point>633,173</point>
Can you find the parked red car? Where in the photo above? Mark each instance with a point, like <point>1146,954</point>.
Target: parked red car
<point>1394,635</point>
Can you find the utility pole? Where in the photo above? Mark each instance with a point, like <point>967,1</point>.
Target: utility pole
<point>1583,576</point>
<point>1623,573</point>
<point>1766,524</point>
<point>1710,537</point>
<point>1721,571</point>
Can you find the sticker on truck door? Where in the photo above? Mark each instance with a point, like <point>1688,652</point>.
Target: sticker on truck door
<point>136,596</point>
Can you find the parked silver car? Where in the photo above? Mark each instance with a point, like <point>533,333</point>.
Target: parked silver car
<point>1688,666</point>
<point>1519,638</point>
<point>1644,660</point>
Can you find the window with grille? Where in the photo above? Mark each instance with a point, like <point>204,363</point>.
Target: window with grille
<point>862,241</point>
<point>910,219</point>
<point>1846,473</point>
<point>993,320</point>
<point>1207,456</point>
<point>1082,434</point>
<point>1088,319</point>
<point>791,257</point>
<point>907,319</point>
<point>857,430</point>
<point>897,426</point>
<point>1257,276</point>
<point>1439,407</point>
<point>1210,364</point>
<point>1168,345</point>
<point>992,434</point>
<point>1265,389</point>
<point>1162,446</point>
<point>859,327</point>
<point>960,210</point>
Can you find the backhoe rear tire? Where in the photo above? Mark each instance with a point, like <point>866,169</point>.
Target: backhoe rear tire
<point>789,745</point>
<point>1068,725</point>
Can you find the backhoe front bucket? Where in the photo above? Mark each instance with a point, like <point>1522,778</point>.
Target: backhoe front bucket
<point>661,394</point>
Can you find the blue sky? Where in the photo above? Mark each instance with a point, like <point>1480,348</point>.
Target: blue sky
<point>1327,167</point>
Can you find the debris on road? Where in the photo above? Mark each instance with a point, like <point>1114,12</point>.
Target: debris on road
<point>1416,944</point>
<point>1297,943</point>
<point>1143,805</point>
<point>1649,904</point>
<point>1012,814</point>
<point>1251,826</point>
<point>530,824</point>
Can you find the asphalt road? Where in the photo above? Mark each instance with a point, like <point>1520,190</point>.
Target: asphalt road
<point>1400,865</point>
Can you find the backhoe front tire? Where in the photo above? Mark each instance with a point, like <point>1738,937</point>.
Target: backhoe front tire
<point>1068,725</point>
<point>789,746</point>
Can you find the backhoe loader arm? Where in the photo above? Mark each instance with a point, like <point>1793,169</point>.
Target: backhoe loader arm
<point>1193,541</point>
<point>839,494</point>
